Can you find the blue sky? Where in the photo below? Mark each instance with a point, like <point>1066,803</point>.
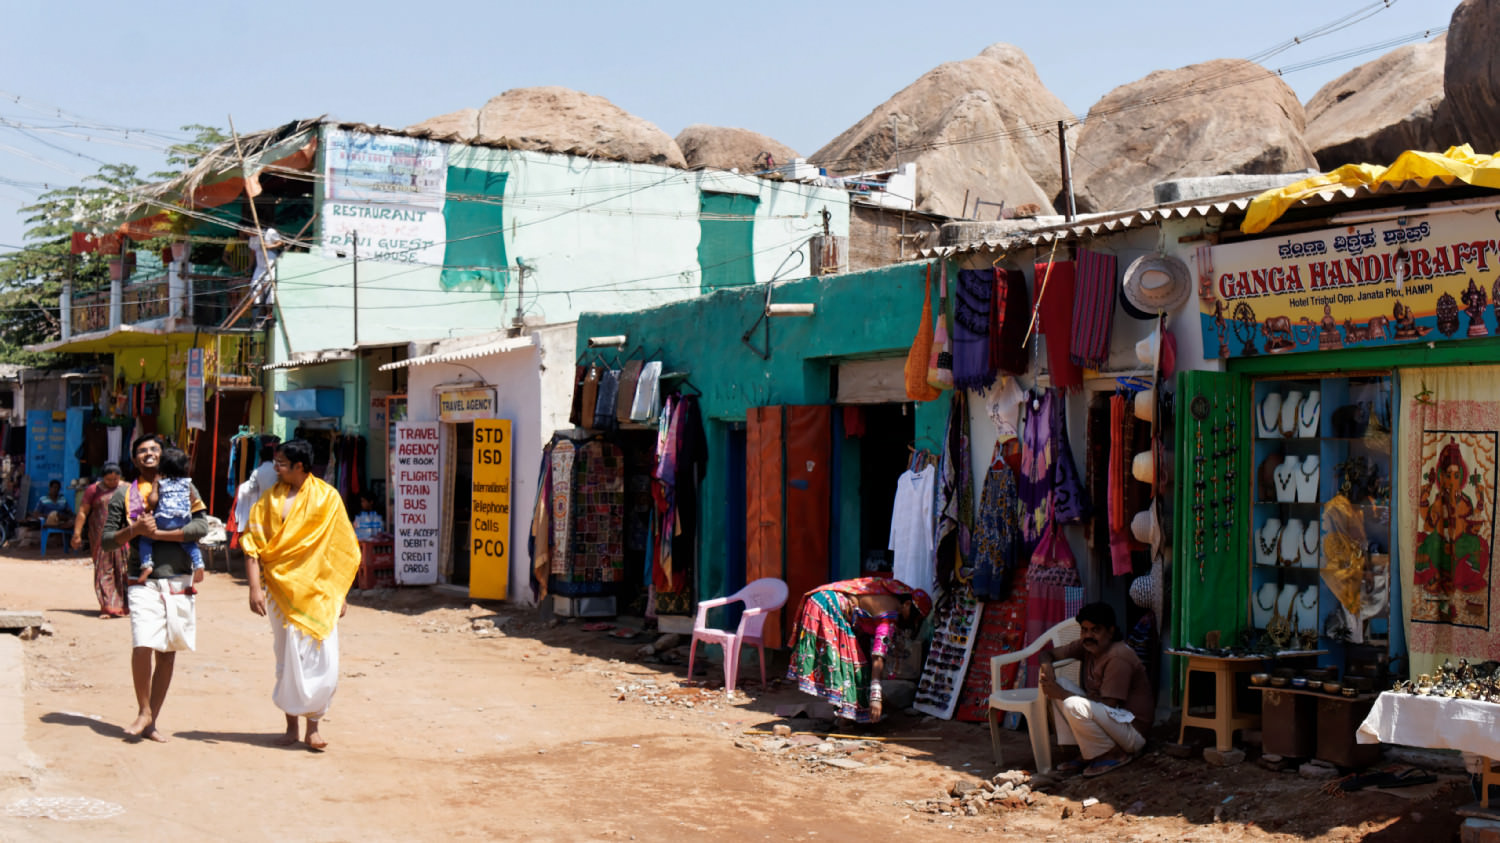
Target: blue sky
<point>799,72</point>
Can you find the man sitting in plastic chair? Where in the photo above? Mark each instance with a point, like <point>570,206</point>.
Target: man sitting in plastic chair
<point>1107,717</point>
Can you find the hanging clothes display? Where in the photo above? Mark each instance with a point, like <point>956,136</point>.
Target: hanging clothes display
<point>971,330</point>
<point>587,496</point>
<point>998,548</point>
<point>1010,313</point>
<point>1053,496</point>
<point>606,404</point>
<point>682,459</point>
<point>954,505</point>
<point>1054,306</point>
<point>647,404</point>
<point>911,528</point>
<point>1093,308</point>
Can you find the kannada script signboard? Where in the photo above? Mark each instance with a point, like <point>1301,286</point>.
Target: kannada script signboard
<point>416,460</point>
<point>1414,279</point>
<point>489,519</point>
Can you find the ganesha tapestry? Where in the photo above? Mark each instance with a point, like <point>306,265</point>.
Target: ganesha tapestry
<point>1450,436</point>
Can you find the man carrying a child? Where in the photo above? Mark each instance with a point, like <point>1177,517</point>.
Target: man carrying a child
<point>162,573</point>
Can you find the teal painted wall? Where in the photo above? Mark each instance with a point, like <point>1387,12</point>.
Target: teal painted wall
<point>860,315</point>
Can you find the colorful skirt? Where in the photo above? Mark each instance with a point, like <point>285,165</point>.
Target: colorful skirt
<point>828,660</point>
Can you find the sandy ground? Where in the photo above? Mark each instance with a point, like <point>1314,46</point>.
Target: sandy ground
<point>444,728</point>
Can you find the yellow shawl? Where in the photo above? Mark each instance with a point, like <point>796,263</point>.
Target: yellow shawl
<point>308,559</point>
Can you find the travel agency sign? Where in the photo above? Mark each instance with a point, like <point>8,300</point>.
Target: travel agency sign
<point>1409,279</point>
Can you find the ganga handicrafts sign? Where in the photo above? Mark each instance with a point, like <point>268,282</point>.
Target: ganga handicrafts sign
<point>1414,279</point>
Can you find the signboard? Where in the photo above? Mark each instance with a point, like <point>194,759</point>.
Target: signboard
<point>467,404</point>
<point>195,415</point>
<point>397,233</point>
<point>416,454</point>
<point>489,519</point>
<point>364,167</point>
<point>1414,279</point>
<point>389,189</point>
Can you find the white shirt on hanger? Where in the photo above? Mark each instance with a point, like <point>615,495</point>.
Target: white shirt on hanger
<point>911,529</point>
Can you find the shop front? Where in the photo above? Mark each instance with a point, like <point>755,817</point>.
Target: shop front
<point>768,441</point>
<point>465,437</point>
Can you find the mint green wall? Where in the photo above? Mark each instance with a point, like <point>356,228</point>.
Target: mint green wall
<point>867,314</point>
<point>595,236</point>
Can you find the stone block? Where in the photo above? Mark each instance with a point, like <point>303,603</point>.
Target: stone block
<point>1227,758</point>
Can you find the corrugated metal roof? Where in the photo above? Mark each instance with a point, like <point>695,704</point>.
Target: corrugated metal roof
<point>498,346</point>
<point>1121,221</point>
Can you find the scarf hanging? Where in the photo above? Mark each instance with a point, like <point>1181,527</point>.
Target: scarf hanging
<point>1093,309</point>
<point>971,331</point>
<point>1120,414</point>
<point>1055,315</point>
<point>309,558</point>
<point>606,403</point>
<point>1009,312</point>
<point>917,387</point>
<point>940,364</point>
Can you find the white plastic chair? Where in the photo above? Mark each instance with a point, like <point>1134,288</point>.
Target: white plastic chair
<point>761,597</point>
<point>1031,701</point>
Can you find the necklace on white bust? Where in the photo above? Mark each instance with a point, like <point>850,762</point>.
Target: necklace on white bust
<point>1289,404</point>
<point>1308,414</point>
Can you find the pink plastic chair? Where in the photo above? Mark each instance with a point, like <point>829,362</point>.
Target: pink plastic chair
<point>760,598</point>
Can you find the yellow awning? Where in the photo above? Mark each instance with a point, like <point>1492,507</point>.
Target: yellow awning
<point>1459,163</point>
<point>119,339</point>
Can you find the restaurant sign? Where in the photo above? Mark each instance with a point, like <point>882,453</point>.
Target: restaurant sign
<point>1411,279</point>
<point>466,404</point>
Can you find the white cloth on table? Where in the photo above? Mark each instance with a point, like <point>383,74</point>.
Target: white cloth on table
<point>911,530</point>
<point>1434,723</point>
<point>307,670</point>
<point>161,614</point>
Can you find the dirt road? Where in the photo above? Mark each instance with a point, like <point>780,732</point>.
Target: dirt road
<point>444,729</point>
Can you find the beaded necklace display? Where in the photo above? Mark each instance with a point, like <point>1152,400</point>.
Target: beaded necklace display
<point>1265,425</point>
<point>1309,529</point>
<point>1306,605</point>
<point>1302,467</point>
<point>1302,417</point>
<point>1263,591</point>
<point>1268,549</point>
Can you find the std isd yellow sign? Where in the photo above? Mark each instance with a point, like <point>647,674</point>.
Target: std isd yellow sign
<point>489,518</point>
<point>1413,279</point>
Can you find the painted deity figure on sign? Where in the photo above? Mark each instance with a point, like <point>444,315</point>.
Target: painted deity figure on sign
<point>1452,559</point>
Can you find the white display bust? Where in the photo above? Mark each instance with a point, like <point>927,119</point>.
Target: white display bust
<point>1268,541</point>
<point>1285,478</point>
<point>1290,550</point>
<point>1308,414</point>
<point>1306,608</point>
<point>1263,604</point>
<point>1268,417</point>
<point>1312,538</point>
<point>1289,407</point>
<point>1305,481</point>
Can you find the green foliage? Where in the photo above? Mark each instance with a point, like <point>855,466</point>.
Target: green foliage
<point>31,278</point>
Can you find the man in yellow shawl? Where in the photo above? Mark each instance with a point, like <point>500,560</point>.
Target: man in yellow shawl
<point>300,550</point>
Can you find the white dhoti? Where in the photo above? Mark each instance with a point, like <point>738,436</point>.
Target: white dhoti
<point>307,670</point>
<point>162,614</point>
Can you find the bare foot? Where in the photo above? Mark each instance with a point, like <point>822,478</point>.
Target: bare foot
<point>155,734</point>
<point>139,725</point>
<point>287,739</point>
<point>315,741</point>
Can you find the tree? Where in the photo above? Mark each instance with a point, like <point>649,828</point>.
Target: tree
<point>31,278</point>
